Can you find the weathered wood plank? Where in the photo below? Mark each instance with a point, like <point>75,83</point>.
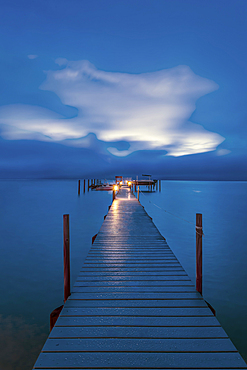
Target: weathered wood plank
<point>137,332</point>
<point>160,284</point>
<point>132,360</point>
<point>137,312</point>
<point>137,321</point>
<point>131,262</point>
<point>136,303</point>
<point>166,272</point>
<point>124,289</point>
<point>139,345</point>
<point>145,277</point>
<point>135,296</point>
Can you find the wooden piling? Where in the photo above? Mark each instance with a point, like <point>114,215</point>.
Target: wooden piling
<point>79,187</point>
<point>113,194</point>
<point>84,186</point>
<point>138,193</point>
<point>54,316</point>
<point>199,252</point>
<point>66,257</point>
<point>88,184</point>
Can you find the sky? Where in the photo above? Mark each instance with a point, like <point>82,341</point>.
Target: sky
<point>94,89</point>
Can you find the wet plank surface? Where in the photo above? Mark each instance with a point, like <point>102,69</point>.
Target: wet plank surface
<point>134,307</point>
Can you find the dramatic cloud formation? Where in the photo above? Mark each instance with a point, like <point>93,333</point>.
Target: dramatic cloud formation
<point>146,111</point>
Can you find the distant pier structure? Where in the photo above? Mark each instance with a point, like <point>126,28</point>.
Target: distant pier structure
<point>147,182</point>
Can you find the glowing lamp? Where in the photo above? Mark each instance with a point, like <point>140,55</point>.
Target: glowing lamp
<point>115,188</point>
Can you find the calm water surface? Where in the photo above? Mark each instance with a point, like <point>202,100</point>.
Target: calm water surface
<point>223,206</point>
<point>31,265</point>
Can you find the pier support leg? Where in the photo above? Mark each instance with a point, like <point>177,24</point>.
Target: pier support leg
<point>79,187</point>
<point>66,257</point>
<point>199,252</point>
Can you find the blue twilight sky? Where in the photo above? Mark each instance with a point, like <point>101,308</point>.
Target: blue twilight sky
<point>95,88</point>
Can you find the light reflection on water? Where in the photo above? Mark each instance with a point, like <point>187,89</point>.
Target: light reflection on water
<point>31,265</point>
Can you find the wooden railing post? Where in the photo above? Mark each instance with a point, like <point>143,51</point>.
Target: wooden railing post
<point>84,186</point>
<point>138,193</point>
<point>113,194</point>
<point>79,187</point>
<point>199,252</point>
<point>66,257</point>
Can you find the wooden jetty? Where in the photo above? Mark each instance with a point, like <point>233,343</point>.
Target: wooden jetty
<point>134,307</point>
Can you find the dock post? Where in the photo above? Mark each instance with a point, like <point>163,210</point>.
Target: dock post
<point>113,194</point>
<point>138,193</point>
<point>135,186</point>
<point>84,186</point>
<point>79,187</point>
<point>88,184</point>
<point>159,185</point>
<point>66,257</point>
<point>199,252</point>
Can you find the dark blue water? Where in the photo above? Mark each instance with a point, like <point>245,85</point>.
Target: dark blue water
<point>223,206</point>
<point>31,265</point>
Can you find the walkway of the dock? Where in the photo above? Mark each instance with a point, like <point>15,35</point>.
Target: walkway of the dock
<point>134,307</point>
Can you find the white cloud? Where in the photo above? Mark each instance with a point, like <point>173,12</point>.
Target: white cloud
<point>223,152</point>
<point>149,110</point>
<point>32,56</point>
<point>61,61</point>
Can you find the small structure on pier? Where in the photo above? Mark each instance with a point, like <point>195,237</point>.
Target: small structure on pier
<point>148,182</point>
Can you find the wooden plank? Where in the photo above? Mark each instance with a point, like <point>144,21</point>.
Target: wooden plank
<point>89,289</point>
<point>138,321</point>
<point>132,269</point>
<point>132,360</point>
<point>135,283</point>
<point>129,260</point>
<point>145,277</point>
<point>137,332</point>
<point>137,312</point>
<point>166,272</point>
<point>135,296</point>
<point>139,345</point>
<point>136,303</point>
